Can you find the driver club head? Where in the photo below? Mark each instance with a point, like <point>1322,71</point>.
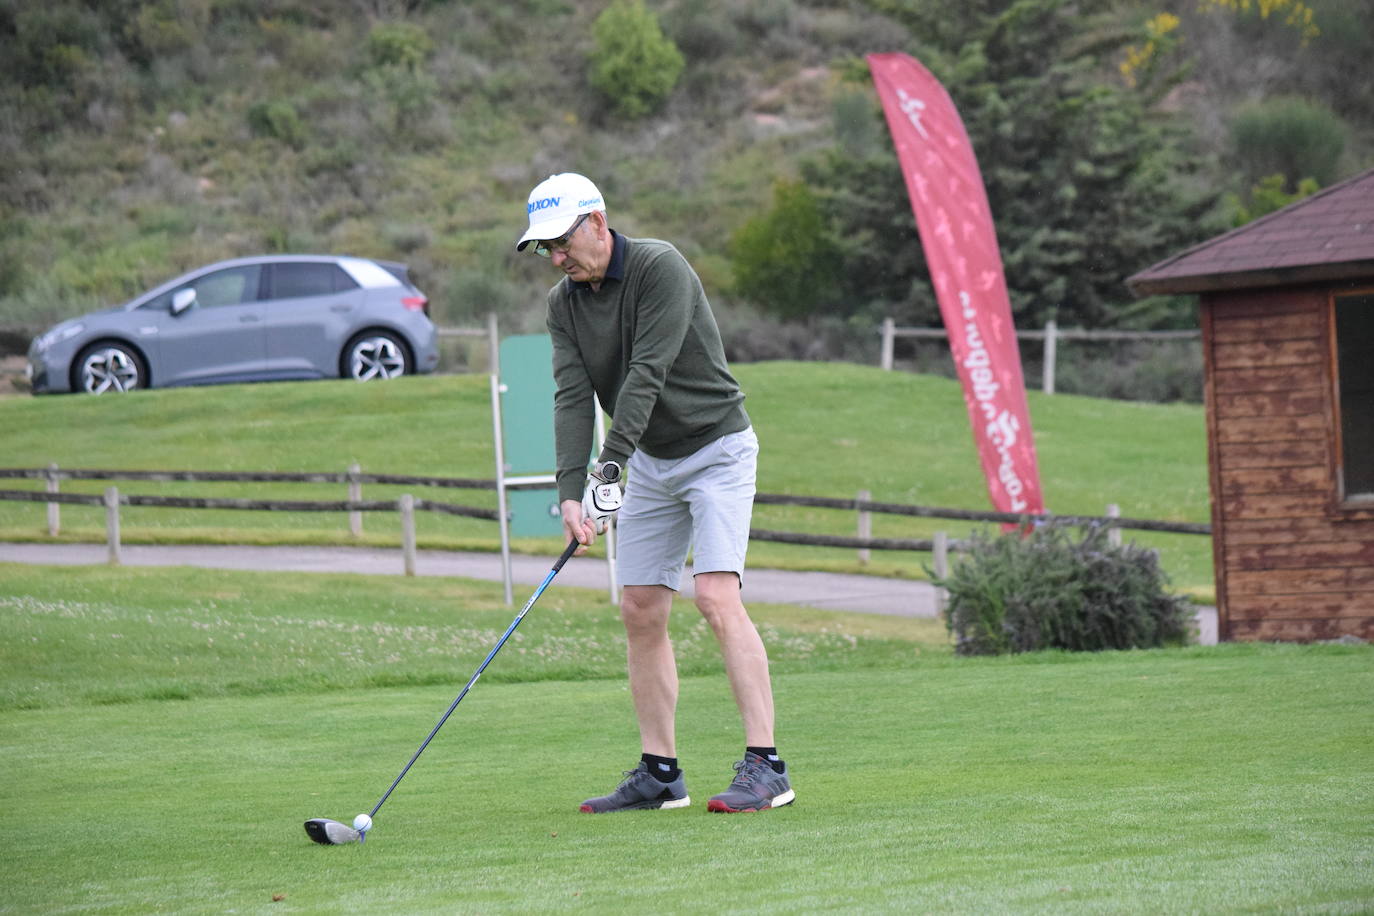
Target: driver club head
<point>331,833</point>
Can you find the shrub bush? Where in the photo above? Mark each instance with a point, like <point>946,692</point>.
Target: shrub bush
<point>405,96</point>
<point>784,260</point>
<point>402,89</point>
<point>1266,196</point>
<point>1289,136</point>
<point>635,66</point>
<point>160,29</point>
<point>753,336</point>
<point>1050,590</point>
<point>1158,371</point>
<point>701,30</point>
<point>277,119</point>
<point>399,44</point>
<point>49,43</point>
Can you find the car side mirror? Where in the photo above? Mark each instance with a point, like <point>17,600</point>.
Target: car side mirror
<point>183,299</point>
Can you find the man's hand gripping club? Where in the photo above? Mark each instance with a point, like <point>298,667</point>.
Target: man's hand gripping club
<point>600,501</point>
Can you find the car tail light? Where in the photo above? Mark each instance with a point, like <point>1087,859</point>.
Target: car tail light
<point>416,303</point>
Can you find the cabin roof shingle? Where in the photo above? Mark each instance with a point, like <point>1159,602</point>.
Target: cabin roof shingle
<point>1327,236</point>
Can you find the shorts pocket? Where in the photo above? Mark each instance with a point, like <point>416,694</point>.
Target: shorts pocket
<point>740,446</point>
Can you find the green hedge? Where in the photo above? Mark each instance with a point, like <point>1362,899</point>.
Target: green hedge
<point>1051,590</point>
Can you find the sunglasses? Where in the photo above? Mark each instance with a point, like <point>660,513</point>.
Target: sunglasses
<point>546,249</point>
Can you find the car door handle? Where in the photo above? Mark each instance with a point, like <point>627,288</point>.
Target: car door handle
<point>341,308</point>
<point>249,319</point>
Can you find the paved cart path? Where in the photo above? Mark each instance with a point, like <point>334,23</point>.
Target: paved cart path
<point>832,591</point>
<point>828,591</point>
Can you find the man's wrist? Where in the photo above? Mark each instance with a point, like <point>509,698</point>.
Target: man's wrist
<point>606,471</point>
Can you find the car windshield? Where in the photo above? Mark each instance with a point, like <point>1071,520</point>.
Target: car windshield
<point>162,303</point>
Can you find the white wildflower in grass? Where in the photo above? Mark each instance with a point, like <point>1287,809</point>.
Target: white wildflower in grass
<point>185,633</point>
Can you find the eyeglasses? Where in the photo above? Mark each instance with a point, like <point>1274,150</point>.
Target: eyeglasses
<point>546,248</point>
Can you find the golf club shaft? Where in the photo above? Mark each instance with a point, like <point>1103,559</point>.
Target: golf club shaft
<point>567,553</point>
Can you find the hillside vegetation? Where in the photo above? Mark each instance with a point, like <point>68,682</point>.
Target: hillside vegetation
<point>139,138</point>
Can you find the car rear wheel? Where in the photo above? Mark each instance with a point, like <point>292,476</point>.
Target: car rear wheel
<point>104,367</point>
<point>376,354</point>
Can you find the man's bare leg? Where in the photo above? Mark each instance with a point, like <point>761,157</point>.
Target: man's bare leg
<point>653,669</point>
<point>746,660</point>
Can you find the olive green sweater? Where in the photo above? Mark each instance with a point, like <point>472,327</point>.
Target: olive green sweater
<point>647,346</point>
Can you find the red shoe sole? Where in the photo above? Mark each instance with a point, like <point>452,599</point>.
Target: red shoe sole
<point>721,807</point>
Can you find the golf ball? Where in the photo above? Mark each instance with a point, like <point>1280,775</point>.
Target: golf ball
<point>362,823</point>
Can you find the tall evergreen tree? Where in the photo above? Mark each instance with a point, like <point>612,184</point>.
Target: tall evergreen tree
<point>1086,185</point>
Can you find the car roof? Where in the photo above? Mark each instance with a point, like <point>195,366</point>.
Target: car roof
<point>366,271</point>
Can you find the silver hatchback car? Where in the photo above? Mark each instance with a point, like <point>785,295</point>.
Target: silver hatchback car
<point>269,318</point>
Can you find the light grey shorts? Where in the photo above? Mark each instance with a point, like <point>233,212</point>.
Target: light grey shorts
<point>703,502</point>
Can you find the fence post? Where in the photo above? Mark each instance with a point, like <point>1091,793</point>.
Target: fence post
<point>940,555</point>
<point>408,532</point>
<point>865,527</point>
<point>1113,533</point>
<point>355,494</point>
<point>54,516</point>
<point>889,332</point>
<point>112,525</point>
<point>1051,352</point>
<point>493,347</point>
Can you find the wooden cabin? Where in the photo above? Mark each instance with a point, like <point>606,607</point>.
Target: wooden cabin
<point>1287,311</point>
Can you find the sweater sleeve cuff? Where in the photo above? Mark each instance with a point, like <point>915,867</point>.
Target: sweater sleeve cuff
<point>609,454</point>
<point>571,485</point>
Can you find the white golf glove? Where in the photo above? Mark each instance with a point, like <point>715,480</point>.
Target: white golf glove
<point>600,502</point>
<point>602,497</point>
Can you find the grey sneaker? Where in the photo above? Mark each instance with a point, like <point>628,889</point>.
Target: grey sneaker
<point>756,788</point>
<point>641,791</point>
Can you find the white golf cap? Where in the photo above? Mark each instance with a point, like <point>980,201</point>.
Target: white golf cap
<point>556,203</point>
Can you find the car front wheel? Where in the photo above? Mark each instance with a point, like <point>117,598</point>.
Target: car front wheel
<point>106,367</point>
<point>376,354</point>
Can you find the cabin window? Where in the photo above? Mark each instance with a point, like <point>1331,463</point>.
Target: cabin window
<point>1354,348</point>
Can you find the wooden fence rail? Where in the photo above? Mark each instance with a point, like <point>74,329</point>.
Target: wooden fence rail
<point>973,515</point>
<point>861,505</point>
<point>112,499</point>
<point>407,505</point>
<point>341,477</point>
<point>1051,335</point>
<point>267,505</point>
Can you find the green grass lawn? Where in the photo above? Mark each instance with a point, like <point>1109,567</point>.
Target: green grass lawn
<point>163,734</point>
<point>95,635</point>
<point>826,430</point>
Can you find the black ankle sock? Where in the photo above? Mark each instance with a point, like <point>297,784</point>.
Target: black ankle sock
<point>771,755</point>
<point>664,768</point>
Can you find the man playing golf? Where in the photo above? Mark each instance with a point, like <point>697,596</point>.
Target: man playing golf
<point>631,326</point>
